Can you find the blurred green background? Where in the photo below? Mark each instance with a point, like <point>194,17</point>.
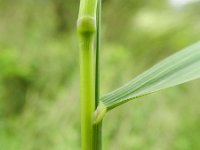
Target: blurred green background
<point>39,74</point>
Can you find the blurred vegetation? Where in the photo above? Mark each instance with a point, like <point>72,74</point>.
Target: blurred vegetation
<point>39,75</point>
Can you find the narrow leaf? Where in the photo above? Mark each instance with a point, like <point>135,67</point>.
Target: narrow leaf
<point>179,68</point>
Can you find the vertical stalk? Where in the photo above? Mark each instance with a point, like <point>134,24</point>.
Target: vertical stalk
<point>87,94</point>
<point>97,127</point>
<point>86,27</point>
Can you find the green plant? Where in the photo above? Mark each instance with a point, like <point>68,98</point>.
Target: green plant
<point>176,69</point>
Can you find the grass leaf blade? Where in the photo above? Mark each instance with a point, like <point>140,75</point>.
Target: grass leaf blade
<point>179,68</point>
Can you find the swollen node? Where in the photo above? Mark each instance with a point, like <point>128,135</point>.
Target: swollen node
<point>86,25</point>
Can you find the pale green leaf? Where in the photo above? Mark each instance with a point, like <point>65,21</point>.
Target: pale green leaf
<point>179,68</point>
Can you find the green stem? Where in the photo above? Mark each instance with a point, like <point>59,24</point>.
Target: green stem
<point>87,94</point>
<point>86,30</point>
<point>88,8</point>
<point>97,127</point>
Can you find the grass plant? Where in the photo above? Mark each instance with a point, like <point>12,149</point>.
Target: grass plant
<point>179,68</point>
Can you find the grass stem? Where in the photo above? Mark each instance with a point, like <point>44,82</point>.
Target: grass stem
<point>97,127</point>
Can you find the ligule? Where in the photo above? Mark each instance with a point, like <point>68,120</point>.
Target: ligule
<point>99,113</point>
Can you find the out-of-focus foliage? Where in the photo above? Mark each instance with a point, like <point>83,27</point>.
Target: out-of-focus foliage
<point>39,75</point>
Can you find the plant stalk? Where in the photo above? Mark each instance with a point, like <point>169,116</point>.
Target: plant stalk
<point>86,27</point>
<point>87,94</point>
<point>98,127</point>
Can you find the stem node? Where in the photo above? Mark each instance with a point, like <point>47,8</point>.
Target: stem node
<point>86,25</point>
